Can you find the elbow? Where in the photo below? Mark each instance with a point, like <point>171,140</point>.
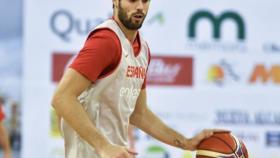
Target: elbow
<point>56,101</point>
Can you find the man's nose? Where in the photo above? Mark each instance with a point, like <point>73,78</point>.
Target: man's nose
<point>140,5</point>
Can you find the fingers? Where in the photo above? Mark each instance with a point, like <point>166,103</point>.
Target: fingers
<point>205,134</point>
<point>209,132</point>
<point>216,130</point>
<point>221,131</point>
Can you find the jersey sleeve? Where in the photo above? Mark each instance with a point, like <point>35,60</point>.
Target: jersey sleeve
<point>101,52</point>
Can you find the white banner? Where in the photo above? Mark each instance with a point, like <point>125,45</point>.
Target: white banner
<point>232,48</point>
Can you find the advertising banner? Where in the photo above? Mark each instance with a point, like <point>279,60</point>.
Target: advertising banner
<point>215,64</point>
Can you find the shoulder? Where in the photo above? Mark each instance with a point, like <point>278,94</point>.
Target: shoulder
<point>105,34</point>
<point>103,39</point>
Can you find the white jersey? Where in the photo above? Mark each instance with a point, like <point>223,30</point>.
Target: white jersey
<point>110,101</point>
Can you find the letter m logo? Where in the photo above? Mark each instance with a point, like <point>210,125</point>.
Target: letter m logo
<point>262,74</point>
<point>216,22</point>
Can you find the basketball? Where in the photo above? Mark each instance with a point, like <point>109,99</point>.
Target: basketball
<point>223,145</point>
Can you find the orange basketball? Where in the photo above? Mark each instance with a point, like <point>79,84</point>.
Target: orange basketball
<point>222,145</point>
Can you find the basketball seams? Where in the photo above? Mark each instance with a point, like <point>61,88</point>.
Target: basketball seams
<point>239,146</point>
<point>228,144</point>
<point>219,139</point>
<point>221,146</point>
<point>212,154</point>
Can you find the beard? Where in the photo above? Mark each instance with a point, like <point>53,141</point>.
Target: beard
<point>127,21</point>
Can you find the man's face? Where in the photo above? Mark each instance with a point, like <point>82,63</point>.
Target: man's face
<point>132,13</point>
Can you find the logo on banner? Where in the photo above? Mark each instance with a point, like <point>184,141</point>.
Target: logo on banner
<point>156,151</point>
<point>243,117</point>
<point>64,24</point>
<point>187,154</point>
<point>273,139</point>
<point>162,70</point>
<point>248,136</point>
<point>166,70</point>
<point>216,23</point>
<point>272,48</point>
<point>263,74</point>
<point>156,18</point>
<point>222,73</point>
<point>233,117</point>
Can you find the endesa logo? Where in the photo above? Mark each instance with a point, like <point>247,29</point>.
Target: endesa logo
<point>167,70</point>
<point>131,92</point>
<point>273,139</point>
<point>263,74</point>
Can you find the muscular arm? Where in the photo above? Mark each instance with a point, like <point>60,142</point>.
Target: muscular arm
<point>4,138</point>
<point>67,106</point>
<point>145,119</point>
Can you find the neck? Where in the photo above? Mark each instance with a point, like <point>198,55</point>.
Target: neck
<point>129,34</point>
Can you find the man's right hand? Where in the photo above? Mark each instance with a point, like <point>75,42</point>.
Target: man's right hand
<point>115,151</point>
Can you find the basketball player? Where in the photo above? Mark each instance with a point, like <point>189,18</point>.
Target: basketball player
<point>4,138</point>
<point>103,91</point>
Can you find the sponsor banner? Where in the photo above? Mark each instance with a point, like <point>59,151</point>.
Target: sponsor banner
<point>201,28</point>
<point>220,27</point>
<point>163,70</point>
<point>255,121</point>
<point>227,53</point>
<point>168,70</point>
<point>273,139</point>
<point>237,72</point>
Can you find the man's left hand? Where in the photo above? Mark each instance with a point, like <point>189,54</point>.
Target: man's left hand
<point>192,143</point>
